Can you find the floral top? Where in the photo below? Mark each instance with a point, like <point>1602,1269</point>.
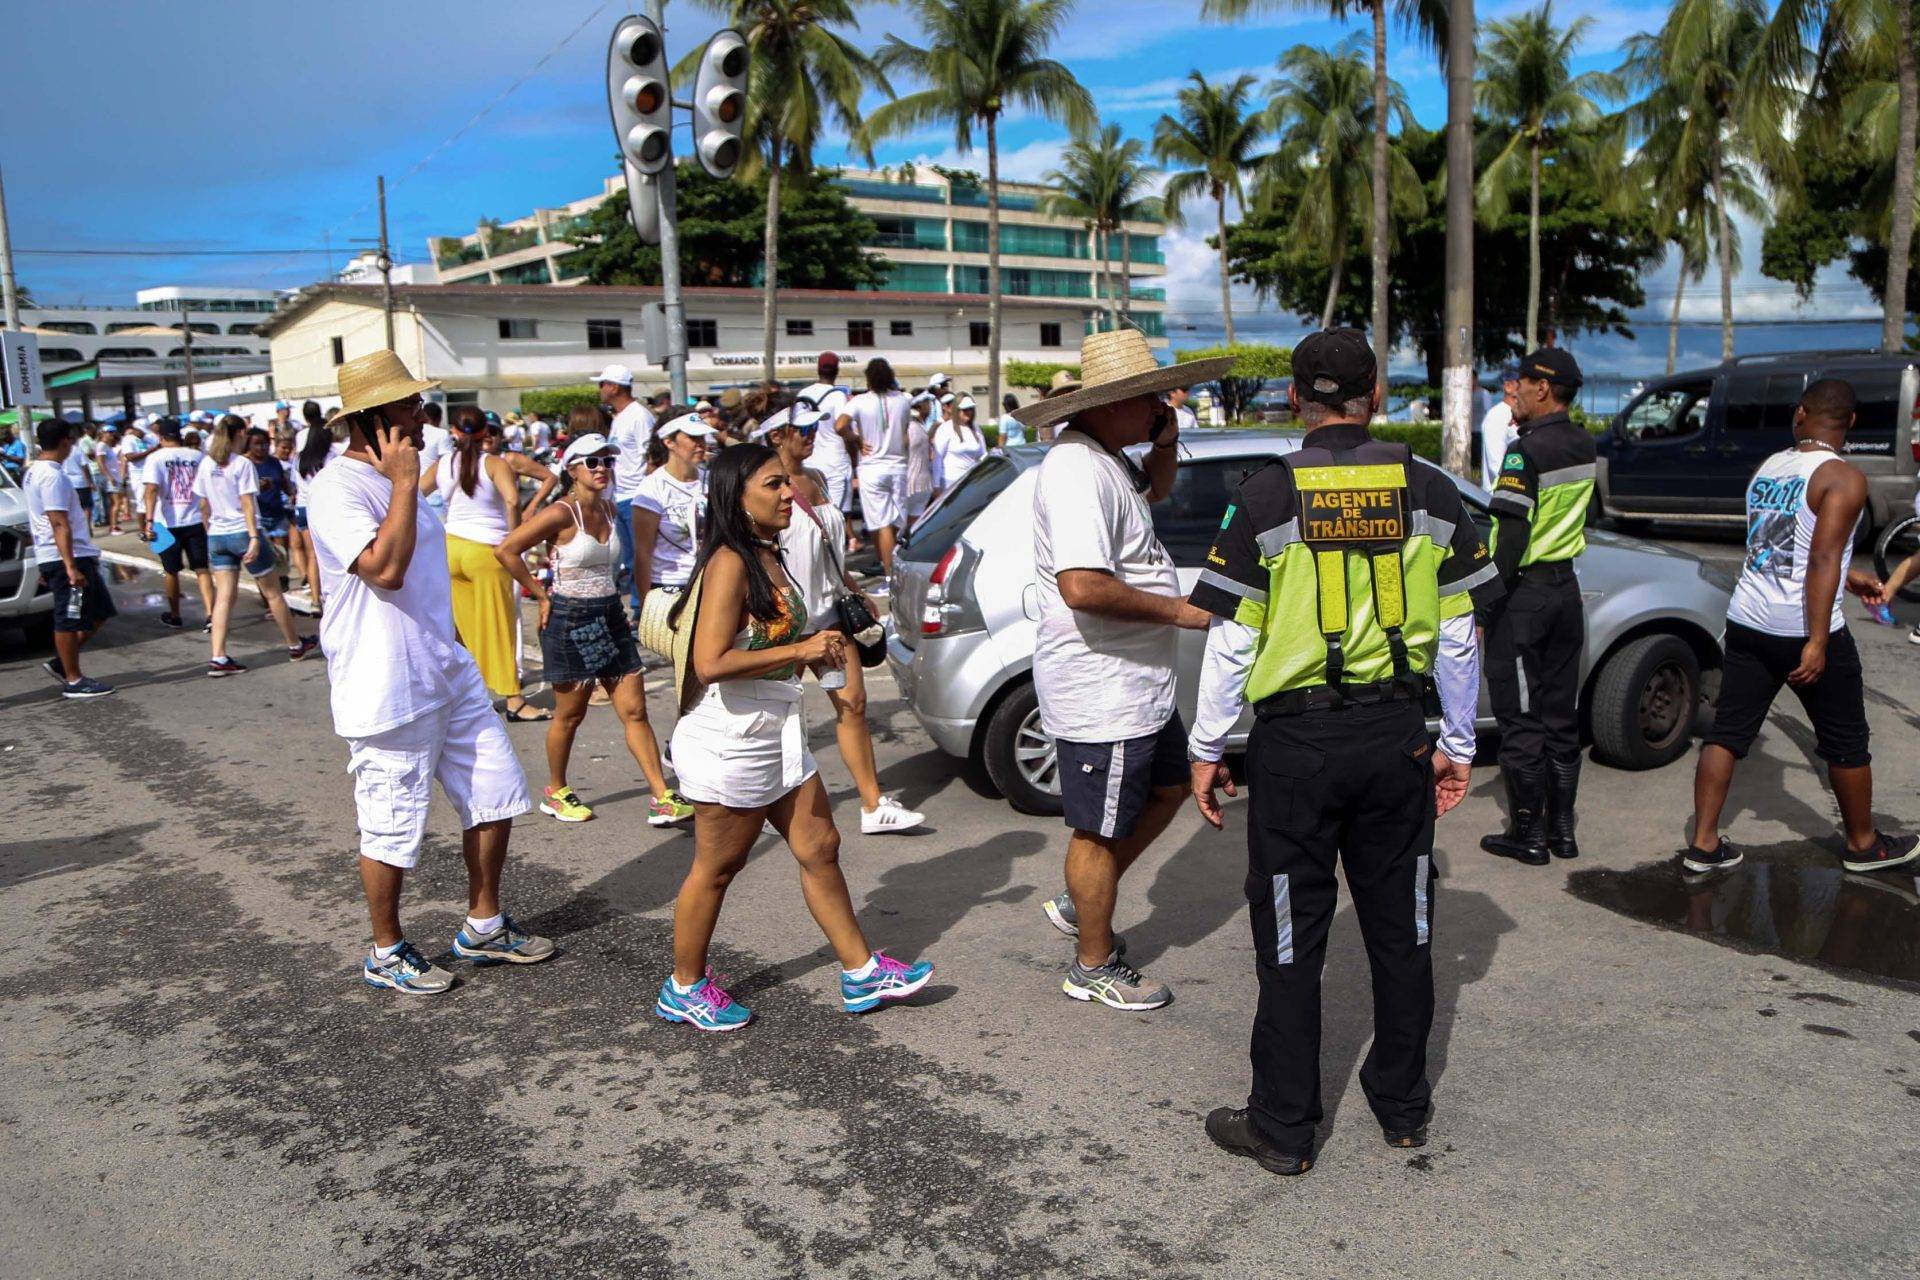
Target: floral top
<point>784,629</point>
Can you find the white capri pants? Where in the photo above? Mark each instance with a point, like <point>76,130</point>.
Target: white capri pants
<point>883,493</point>
<point>462,745</point>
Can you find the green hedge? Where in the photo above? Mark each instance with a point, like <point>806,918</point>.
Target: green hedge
<point>1422,437</point>
<point>558,402</point>
<point>1035,375</point>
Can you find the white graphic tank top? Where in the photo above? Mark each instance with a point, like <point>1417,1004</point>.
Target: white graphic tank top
<point>1772,592</point>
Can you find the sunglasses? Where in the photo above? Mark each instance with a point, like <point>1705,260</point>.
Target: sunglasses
<point>595,462</point>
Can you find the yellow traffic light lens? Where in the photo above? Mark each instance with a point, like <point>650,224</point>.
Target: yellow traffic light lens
<point>649,97</point>
<point>644,49</point>
<point>729,109</point>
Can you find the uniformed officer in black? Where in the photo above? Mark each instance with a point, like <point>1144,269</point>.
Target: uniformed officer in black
<point>1540,504</point>
<point>1343,576</point>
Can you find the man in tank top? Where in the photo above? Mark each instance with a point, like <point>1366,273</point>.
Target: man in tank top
<point>1785,626</point>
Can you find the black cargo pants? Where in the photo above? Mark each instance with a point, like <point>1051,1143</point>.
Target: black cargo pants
<point>1536,634</point>
<point>1356,784</point>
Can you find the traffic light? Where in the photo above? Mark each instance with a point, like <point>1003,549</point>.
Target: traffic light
<point>638,95</point>
<point>720,103</point>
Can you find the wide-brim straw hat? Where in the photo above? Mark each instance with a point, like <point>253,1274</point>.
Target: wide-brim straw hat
<point>369,381</point>
<point>1118,365</point>
<point>1062,382</point>
<point>672,642</point>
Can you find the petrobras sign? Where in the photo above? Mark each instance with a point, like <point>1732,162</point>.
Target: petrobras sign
<point>20,381</point>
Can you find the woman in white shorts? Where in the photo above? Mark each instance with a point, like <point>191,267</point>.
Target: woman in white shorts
<point>810,548</point>
<point>740,747</point>
<point>874,425</point>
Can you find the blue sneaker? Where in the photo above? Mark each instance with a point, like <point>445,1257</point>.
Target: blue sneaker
<point>505,945</point>
<point>705,1008</point>
<point>405,971</point>
<point>890,979</point>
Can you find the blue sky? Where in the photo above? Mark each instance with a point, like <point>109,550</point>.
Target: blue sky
<point>261,126</point>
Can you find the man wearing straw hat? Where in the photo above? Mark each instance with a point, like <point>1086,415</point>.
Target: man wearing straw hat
<point>1110,604</point>
<point>407,698</point>
<point>1343,573</point>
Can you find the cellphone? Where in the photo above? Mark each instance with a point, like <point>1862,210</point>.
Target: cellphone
<point>1162,419</point>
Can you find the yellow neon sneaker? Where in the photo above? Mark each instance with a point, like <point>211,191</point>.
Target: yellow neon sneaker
<point>565,805</point>
<point>667,810</point>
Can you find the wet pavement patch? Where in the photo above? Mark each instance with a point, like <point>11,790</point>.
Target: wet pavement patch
<point>1792,901</point>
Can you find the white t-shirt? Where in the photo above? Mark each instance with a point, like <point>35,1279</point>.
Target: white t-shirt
<point>172,471</point>
<point>881,421</point>
<point>632,430</point>
<point>79,474</point>
<point>515,436</point>
<point>107,458</point>
<point>222,487</point>
<point>48,489</point>
<point>392,656</point>
<point>829,450</point>
<point>433,443</point>
<point>300,482</point>
<point>1012,432</point>
<point>1496,437</point>
<point>956,451</point>
<point>542,435</point>
<point>682,508</point>
<point>1098,679</point>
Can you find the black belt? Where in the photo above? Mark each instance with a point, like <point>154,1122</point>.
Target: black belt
<point>1411,687</point>
<point>1548,571</point>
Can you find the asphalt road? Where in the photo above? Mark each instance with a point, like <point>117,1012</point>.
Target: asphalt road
<point>197,1083</point>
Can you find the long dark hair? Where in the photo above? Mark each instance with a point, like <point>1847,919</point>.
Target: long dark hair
<point>729,525</point>
<point>319,442</point>
<point>880,376</point>
<point>470,442</point>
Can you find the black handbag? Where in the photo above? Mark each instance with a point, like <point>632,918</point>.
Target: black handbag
<point>851,610</point>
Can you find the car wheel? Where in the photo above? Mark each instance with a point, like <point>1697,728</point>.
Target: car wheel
<point>1643,704</point>
<point>1020,756</point>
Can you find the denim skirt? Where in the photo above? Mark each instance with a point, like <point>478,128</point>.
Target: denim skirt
<point>588,639</point>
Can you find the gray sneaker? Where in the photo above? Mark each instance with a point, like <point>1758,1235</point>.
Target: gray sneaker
<point>1064,918</point>
<point>1115,985</point>
<point>505,945</point>
<point>405,971</point>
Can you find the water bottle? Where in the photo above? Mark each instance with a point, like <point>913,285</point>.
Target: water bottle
<point>1882,613</point>
<point>76,604</point>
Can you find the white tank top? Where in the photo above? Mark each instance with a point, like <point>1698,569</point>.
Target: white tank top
<point>1771,595</point>
<point>583,565</point>
<point>477,517</point>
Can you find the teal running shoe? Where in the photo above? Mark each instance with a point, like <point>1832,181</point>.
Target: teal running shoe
<point>889,979</point>
<point>705,1008</point>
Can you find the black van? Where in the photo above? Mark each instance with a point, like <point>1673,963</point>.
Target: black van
<point>1684,449</point>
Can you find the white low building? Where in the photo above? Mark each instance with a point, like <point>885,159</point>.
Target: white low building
<point>489,343</point>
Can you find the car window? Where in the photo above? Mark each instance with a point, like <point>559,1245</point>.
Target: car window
<point>1190,517</point>
<point>935,536</point>
<point>1668,413</point>
<point>1876,408</point>
<point>1763,403</point>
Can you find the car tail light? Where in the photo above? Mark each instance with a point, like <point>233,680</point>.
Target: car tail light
<point>933,613</point>
<point>1913,431</point>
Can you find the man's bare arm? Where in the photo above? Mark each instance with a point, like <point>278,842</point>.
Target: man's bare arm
<point>1102,594</point>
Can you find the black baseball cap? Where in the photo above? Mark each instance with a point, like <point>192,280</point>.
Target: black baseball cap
<point>1551,364</point>
<point>1334,366</point>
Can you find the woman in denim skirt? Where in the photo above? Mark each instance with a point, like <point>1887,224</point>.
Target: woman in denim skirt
<point>585,639</point>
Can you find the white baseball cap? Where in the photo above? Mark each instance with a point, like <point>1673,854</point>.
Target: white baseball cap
<point>938,380</point>
<point>801,413</point>
<point>966,402</point>
<point>616,373</point>
<point>687,424</point>
<point>586,447</point>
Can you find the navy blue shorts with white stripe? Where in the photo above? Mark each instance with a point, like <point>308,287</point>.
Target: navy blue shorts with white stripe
<point>1105,786</point>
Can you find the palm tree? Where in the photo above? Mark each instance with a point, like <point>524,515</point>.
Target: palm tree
<point>1865,87</point>
<point>982,57</point>
<point>1704,76</point>
<point>1529,87</point>
<point>1102,182</point>
<point>801,75</point>
<point>1321,110</point>
<point>1428,20</point>
<point>1211,139</point>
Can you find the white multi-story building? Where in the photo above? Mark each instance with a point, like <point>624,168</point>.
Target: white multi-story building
<point>489,343</point>
<point>931,228</point>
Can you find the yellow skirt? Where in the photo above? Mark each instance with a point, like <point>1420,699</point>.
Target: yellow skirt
<point>486,613</point>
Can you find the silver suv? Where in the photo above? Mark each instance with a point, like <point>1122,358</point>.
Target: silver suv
<point>965,605</point>
<point>22,603</point>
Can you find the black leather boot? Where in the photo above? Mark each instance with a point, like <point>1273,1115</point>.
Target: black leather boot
<point>1526,840</point>
<point>1563,785</point>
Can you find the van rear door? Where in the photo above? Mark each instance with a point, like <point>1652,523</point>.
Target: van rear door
<point>1757,423</point>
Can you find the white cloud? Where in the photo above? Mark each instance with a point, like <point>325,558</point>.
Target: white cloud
<point>1022,164</point>
<point>1162,94</point>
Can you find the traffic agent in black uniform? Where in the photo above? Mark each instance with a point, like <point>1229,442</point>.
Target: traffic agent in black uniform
<point>1343,574</point>
<point>1536,631</point>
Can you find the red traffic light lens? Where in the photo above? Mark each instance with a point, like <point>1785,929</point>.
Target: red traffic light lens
<point>729,109</point>
<point>649,97</point>
<point>644,49</point>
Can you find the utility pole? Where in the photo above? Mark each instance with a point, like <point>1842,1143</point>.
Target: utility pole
<point>9,283</point>
<point>186,333</point>
<point>670,259</point>
<point>1456,402</point>
<point>386,262</point>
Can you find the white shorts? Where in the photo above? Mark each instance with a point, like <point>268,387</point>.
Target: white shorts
<point>463,746</point>
<point>839,489</point>
<point>883,493</point>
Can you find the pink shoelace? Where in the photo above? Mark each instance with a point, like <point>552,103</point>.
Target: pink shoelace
<point>886,964</point>
<point>710,991</point>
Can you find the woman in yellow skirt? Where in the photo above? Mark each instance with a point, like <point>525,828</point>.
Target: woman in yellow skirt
<point>482,496</point>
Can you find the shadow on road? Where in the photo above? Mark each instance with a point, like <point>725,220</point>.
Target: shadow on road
<point>39,859</point>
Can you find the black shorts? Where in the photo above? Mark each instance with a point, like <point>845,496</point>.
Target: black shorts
<point>1757,665</point>
<point>96,602</point>
<point>189,549</point>
<point>1105,786</point>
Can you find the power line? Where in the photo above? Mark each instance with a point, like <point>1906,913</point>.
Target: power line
<point>165,253</point>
